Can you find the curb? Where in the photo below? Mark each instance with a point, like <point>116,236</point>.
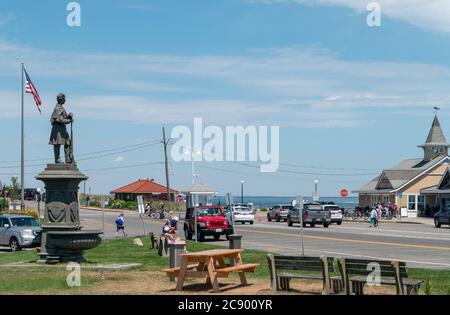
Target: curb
<point>391,222</point>
<point>35,266</point>
<point>108,210</point>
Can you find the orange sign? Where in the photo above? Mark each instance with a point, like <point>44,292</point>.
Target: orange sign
<point>344,192</point>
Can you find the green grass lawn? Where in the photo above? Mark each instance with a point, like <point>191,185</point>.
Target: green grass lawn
<point>123,251</point>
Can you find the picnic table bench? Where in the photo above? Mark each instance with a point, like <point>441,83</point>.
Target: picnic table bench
<point>284,268</point>
<point>210,264</point>
<point>356,273</point>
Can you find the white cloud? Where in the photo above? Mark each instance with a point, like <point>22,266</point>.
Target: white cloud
<point>119,159</point>
<point>290,86</point>
<point>430,14</point>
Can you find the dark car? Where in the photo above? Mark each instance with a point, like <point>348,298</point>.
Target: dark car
<point>442,217</point>
<point>211,220</point>
<point>313,213</point>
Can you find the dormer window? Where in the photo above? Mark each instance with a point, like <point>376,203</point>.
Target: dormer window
<point>438,150</point>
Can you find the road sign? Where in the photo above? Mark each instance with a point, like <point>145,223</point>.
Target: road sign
<point>140,202</point>
<point>343,192</point>
<point>315,195</point>
<point>141,209</point>
<point>229,199</point>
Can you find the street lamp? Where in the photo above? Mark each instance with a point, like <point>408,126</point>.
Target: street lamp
<point>242,191</point>
<point>191,152</point>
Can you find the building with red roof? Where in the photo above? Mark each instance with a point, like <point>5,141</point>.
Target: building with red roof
<point>145,187</point>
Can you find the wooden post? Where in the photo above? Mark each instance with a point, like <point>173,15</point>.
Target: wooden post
<point>273,273</point>
<point>326,276</point>
<point>398,277</point>
<point>344,275</point>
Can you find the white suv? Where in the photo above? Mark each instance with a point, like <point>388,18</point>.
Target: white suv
<point>243,214</point>
<point>336,213</point>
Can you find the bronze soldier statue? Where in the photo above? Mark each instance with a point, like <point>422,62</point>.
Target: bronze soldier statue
<point>59,135</point>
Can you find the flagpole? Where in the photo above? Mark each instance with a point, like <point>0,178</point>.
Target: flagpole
<point>22,166</point>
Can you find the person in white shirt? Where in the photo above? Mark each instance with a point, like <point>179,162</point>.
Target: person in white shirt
<point>373,218</point>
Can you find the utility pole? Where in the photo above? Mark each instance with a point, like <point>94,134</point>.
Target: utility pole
<point>165,142</point>
<point>22,159</point>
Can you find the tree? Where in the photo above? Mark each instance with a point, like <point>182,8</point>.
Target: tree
<point>14,188</point>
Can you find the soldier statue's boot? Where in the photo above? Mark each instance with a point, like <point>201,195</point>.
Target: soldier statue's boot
<point>57,152</point>
<point>68,154</point>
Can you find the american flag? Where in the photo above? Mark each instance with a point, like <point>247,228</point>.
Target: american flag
<point>30,88</point>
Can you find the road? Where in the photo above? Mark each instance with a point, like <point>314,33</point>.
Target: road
<point>420,245</point>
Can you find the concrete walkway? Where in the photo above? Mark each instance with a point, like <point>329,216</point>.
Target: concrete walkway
<point>419,220</point>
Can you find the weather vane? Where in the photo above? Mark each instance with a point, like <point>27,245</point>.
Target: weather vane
<point>435,108</point>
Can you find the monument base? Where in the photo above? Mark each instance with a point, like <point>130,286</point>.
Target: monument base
<point>62,239</point>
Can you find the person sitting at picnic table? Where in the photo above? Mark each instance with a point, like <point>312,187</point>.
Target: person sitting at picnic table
<point>170,233</point>
<point>173,221</point>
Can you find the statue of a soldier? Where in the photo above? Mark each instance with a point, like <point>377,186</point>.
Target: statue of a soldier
<point>59,135</point>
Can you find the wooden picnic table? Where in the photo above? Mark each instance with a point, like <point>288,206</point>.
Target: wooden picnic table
<point>210,264</point>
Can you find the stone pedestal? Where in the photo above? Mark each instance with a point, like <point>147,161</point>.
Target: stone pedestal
<point>62,237</point>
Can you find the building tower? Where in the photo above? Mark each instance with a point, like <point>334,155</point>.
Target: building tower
<point>436,144</point>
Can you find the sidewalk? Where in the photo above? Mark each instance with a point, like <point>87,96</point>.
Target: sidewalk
<point>419,220</point>
<point>120,210</point>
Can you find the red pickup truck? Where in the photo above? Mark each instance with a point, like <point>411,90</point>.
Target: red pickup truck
<point>211,220</point>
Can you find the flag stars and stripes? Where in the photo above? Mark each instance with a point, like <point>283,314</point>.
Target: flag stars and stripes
<point>30,88</point>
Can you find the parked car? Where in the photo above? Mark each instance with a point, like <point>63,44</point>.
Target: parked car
<point>279,212</point>
<point>335,213</point>
<point>243,214</point>
<point>442,217</point>
<point>211,220</point>
<point>313,213</point>
<point>19,231</point>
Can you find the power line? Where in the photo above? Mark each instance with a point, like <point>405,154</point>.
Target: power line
<point>268,174</point>
<point>122,167</point>
<point>95,156</point>
<point>291,171</point>
<point>140,145</point>
<point>103,168</point>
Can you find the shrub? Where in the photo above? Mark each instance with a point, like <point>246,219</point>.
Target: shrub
<point>131,205</point>
<point>95,203</point>
<point>263,209</point>
<point>3,204</point>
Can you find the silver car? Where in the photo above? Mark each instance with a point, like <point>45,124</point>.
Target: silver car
<point>312,214</point>
<point>19,231</point>
<point>279,212</point>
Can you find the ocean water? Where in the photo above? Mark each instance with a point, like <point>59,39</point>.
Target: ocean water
<point>259,201</point>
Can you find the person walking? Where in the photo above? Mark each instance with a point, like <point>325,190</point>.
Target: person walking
<point>373,217</point>
<point>161,210</point>
<point>379,212</point>
<point>120,225</point>
<point>392,209</point>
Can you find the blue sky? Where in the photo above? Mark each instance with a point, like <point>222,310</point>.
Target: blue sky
<point>349,99</point>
